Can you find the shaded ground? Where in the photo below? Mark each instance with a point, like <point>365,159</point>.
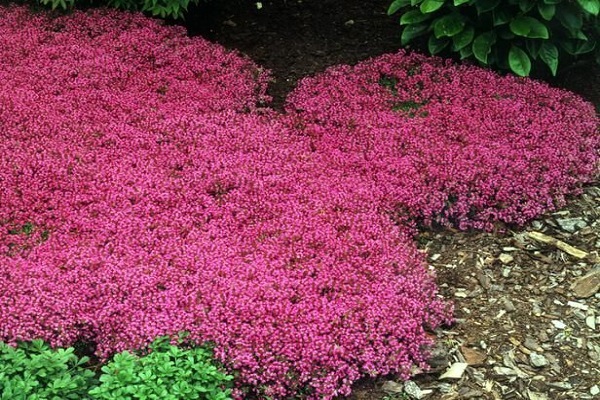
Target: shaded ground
<point>520,326</point>
<point>296,38</point>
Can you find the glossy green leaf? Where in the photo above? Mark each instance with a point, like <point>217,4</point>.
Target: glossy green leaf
<point>482,46</point>
<point>519,61</point>
<point>429,6</point>
<point>529,27</point>
<point>435,45</point>
<point>591,6</point>
<point>549,55</point>
<point>463,39</point>
<point>501,17</point>
<point>459,2</point>
<point>483,6</point>
<point>412,31</point>
<point>533,47</point>
<point>577,47</point>
<point>448,26</point>
<point>547,11</point>
<point>413,17</point>
<point>466,52</point>
<point>527,5</point>
<point>396,5</point>
<point>578,34</point>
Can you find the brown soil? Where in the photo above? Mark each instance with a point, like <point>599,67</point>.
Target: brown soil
<point>513,295</point>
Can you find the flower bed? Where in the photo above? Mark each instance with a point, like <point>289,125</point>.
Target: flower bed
<point>452,144</point>
<point>145,192</point>
<point>135,205</point>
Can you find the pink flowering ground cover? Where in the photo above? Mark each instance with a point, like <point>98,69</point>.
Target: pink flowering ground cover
<point>144,191</point>
<point>139,199</point>
<point>452,144</point>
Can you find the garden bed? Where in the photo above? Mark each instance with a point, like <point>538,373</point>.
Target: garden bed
<point>150,191</point>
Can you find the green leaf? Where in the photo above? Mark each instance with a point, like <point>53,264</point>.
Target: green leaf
<point>529,27</point>
<point>448,26</point>
<point>459,2</point>
<point>578,34</point>
<point>518,61</point>
<point>547,11</point>
<point>526,5</point>
<point>396,5</point>
<point>570,19</point>
<point>577,47</point>
<point>486,5</point>
<point>533,48</point>
<point>463,39</point>
<point>413,17</point>
<point>436,45</point>
<point>549,55</point>
<point>429,6</point>
<point>501,17</point>
<point>482,46</point>
<point>591,6</point>
<point>412,31</point>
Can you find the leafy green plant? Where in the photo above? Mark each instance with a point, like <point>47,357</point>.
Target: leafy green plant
<point>162,8</point>
<point>516,35</point>
<point>34,371</point>
<point>166,372</point>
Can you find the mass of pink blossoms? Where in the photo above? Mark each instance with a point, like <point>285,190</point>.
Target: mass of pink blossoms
<point>452,144</point>
<point>145,191</point>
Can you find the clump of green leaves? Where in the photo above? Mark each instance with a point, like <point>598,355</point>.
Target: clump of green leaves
<point>516,35</point>
<point>34,371</point>
<point>159,8</point>
<point>166,372</point>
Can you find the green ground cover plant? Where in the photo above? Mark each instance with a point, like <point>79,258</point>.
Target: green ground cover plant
<point>164,371</point>
<point>522,36</point>
<point>34,371</point>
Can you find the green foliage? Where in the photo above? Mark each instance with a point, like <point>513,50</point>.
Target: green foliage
<point>159,8</point>
<point>33,371</point>
<point>518,35</point>
<point>167,372</point>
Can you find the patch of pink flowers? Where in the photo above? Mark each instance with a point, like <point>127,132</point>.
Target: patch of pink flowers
<point>144,191</point>
<point>138,200</point>
<point>452,144</point>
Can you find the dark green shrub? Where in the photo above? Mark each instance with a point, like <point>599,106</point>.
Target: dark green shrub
<point>34,371</point>
<point>515,35</point>
<point>161,8</point>
<point>167,372</point>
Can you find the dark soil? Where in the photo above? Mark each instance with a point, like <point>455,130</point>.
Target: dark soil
<point>295,38</point>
